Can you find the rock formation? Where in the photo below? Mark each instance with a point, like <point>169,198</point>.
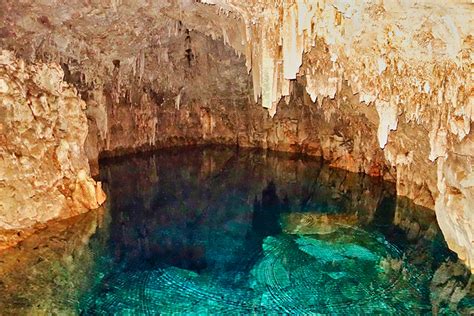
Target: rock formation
<point>44,172</point>
<point>378,87</point>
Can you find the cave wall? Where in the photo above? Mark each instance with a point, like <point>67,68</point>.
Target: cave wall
<point>359,83</point>
<point>208,100</point>
<point>44,172</point>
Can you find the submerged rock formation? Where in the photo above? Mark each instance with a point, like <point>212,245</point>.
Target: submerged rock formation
<point>378,87</point>
<point>46,273</point>
<point>44,172</point>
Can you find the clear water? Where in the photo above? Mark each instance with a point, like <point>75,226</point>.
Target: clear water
<point>221,231</point>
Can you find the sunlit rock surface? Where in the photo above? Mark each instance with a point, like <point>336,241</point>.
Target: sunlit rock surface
<point>382,88</point>
<point>44,172</point>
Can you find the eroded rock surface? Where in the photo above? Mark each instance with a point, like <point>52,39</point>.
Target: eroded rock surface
<point>44,173</point>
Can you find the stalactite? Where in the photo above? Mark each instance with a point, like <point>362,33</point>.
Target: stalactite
<point>292,26</point>
<point>388,120</point>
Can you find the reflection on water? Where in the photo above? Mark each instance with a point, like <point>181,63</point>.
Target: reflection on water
<point>219,231</point>
<point>46,273</point>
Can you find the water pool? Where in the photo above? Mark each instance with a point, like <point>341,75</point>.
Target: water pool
<point>226,231</point>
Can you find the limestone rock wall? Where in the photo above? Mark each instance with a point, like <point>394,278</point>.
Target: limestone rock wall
<point>210,103</point>
<point>44,173</point>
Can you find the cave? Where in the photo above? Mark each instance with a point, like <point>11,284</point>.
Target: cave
<point>236,157</point>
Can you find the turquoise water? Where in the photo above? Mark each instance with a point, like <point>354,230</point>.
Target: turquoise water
<point>221,231</point>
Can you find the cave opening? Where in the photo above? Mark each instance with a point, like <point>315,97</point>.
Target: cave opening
<point>214,157</point>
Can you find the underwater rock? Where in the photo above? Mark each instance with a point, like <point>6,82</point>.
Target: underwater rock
<point>450,288</point>
<point>328,252</point>
<point>47,273</point>
<point>309,223</point>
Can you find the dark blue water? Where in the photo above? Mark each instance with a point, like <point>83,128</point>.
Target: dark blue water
<point>221,231</point>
